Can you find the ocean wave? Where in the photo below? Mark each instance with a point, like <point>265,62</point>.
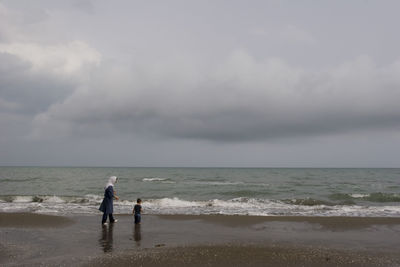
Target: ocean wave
<point>308,202</point>
<point>21,199</point>
<point>383,197</point>
<point>217,183</point>
<point>89,204</point>
<point>19,180</point>
<point>359,195</point>
<point>154,179</point>
<point>371,197</point>
<point>262,207</point>
<point>248,193</point>
<point>51,199</point>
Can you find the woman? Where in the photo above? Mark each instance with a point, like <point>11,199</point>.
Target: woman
<point>107,204</point>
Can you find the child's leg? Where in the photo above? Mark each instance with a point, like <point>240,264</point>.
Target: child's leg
<point>137,219</point>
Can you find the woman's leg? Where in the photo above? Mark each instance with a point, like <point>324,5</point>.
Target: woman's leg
<point>111,217</point>
<point>104,219</point>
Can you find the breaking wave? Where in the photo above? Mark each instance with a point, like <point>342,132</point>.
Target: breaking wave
<point>158,179</point>
<point>372,197</point>
<point>308,202</point>
<point>89,204</point>
<point>154,179</point>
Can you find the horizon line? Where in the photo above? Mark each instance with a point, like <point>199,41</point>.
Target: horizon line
<point>200,167</point>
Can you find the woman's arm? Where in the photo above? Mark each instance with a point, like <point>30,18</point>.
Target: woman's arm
<point>110,193</point>
<point>116,197</point>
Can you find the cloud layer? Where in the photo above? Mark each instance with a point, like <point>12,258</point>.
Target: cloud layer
<point>242,99</point>
<point>138,73</point>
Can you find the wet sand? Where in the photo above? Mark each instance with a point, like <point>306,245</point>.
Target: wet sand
<point>240,255</point>
<point>215,240</point>
<point>28,220</point>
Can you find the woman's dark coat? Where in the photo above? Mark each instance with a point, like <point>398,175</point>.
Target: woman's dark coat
<point>107,204</point>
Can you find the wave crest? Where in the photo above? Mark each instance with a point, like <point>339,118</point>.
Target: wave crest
<point>372,197</point>
<point>89,204</point>
<point>154,179</point>
<point>308,202</point>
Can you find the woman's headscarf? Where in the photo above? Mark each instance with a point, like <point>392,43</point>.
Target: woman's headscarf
<point>111,181</point>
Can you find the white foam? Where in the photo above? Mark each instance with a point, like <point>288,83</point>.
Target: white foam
<point>22,199</point>
<point>218,183</point>
<point>359,195</point>
<point>236,206</point>
<point>93,197</point>
<point>53,199</point>
<point>174,202</point>
<point>124,203</point>
<point>154,179</point>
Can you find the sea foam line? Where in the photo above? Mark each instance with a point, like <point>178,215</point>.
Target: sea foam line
<point>154,179</point>
<point>236,206</point>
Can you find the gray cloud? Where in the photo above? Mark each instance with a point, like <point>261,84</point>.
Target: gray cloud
<point>218,78</point>
<point>26,91</point>
<point>84,5</point>
<point>241,100</point>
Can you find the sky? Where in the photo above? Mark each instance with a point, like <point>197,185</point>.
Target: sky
<point>200,83</point>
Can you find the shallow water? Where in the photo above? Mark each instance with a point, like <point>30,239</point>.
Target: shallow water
<point>243,191</point>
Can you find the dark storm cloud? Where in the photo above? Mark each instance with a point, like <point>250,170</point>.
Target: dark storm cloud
<point>29,91</point>
<point>242,100</point>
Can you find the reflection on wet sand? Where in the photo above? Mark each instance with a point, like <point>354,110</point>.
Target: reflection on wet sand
<point>106,240</point>
<point>137,234</point>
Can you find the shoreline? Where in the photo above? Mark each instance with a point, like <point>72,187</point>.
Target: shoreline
<point>330,222</point>
<point>28,220</point>
<point>35,239</point>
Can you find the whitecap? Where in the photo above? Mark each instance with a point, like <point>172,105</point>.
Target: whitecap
<point>359,195</point>
<point>53,199</point>
<point>236,206</point>
<point>218,183</point>
<point>22,199</point>
<point>154,179</point>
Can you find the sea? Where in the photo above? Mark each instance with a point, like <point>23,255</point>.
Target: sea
<point>202,191</point>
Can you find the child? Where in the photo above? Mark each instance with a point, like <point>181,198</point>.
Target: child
<point>137,210</point>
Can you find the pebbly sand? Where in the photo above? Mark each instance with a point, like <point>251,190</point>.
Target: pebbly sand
<point>211,240</point>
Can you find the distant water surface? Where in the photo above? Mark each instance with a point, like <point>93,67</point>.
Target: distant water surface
<point>243,191</point>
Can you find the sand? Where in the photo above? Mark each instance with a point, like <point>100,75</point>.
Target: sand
<point>36,240</point>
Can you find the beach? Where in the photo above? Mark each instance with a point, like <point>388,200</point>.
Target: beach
<point>240,133</point>
<point>29,239</point>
